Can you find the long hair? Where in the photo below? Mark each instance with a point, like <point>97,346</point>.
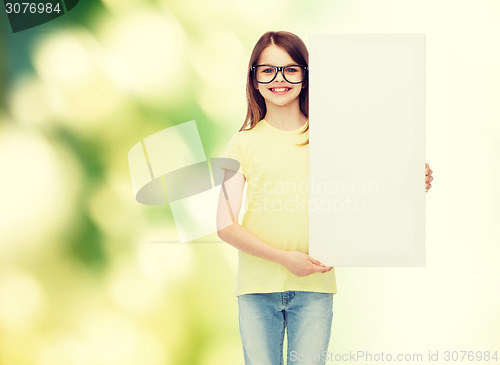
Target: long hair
<point>297,50</point>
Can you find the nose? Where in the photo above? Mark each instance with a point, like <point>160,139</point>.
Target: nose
<point>280,75</point>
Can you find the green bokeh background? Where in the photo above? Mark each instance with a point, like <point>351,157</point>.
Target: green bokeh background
<point>83,278</point>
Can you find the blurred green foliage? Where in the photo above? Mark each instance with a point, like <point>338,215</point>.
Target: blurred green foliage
<point>96,287</point>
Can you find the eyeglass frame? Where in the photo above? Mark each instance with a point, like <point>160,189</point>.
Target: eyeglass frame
<point>276,70</point>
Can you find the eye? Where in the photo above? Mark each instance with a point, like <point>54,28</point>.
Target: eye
<point>292,70</point>
<point>268,70</point>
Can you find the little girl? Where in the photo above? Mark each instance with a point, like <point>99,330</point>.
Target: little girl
<point>279,286</point>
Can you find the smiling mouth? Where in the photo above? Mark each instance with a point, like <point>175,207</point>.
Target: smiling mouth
<point>279,89</point>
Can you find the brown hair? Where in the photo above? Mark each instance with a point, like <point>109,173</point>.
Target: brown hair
<point>297,50</point>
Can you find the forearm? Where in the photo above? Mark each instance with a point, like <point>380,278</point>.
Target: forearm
<point>246,241</point>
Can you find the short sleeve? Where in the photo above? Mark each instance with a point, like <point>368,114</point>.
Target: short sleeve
<point>233,155</point>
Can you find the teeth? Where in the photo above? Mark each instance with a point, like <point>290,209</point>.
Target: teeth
<point>280,89</point>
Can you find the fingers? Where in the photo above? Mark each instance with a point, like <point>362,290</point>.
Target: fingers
<point>323,269</point>
<point>428,177</point>
<point>319,267</point>
<point>428,170</point>
<point>428,180</point>
<point>315,262</point>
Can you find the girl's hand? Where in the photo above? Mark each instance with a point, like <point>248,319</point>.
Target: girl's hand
<point>428,177</point>
<point>301,264</point>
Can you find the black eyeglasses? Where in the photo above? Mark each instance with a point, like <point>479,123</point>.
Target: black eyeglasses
<point>294,74</point>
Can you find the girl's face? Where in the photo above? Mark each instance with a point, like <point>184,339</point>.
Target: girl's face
<point>279,92</point>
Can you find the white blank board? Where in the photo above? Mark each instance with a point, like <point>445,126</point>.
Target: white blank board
<point>366,152</point>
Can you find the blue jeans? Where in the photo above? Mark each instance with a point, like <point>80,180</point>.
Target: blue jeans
<point>306,316</point>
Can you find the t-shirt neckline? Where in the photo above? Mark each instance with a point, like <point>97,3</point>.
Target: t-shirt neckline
<point>300,129</point>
